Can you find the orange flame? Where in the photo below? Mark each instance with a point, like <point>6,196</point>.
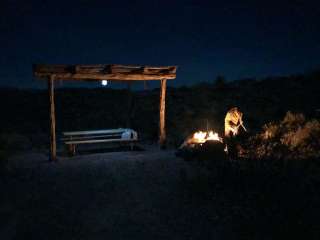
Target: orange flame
<point>202,137</point>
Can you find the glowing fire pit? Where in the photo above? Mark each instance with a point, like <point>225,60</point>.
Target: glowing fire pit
<point>202,137</point>
<point>202,144</point>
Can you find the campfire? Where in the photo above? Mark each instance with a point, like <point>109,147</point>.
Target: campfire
<point>209,145</point>
<point>202,137</point>
<point>201,143</point>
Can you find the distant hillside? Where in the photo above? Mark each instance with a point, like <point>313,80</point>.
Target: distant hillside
<point>188,108</point>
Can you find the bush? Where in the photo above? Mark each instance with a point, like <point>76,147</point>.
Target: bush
<point>3,154</point>
<point>15,142</point>
<point>292,138</point>
<point>11,143</point>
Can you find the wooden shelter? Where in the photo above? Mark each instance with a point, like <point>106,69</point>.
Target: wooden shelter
<point>103,72</point>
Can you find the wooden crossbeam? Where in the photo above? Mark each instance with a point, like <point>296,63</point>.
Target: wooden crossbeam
<point>104,71</point>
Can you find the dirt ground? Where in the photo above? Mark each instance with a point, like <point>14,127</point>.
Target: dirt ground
<point>130,195</point>
<point>113,195</point>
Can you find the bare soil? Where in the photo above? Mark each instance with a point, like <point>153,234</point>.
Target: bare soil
<point>115,195</point>
<point>142,195</point>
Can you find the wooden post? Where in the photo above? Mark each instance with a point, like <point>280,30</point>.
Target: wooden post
<point>162,108</point>
<point>145,85</point>
<point>53,146</point>
<point>129,113</point>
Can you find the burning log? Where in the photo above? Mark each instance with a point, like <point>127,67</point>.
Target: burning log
<point>202,145</point>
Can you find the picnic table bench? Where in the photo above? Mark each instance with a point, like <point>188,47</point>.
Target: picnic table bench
<point>120,135</point>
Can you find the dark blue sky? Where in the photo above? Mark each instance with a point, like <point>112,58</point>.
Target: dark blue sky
<point>204,38</point>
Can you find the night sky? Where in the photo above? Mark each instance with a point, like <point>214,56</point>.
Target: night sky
<point>204,38</point>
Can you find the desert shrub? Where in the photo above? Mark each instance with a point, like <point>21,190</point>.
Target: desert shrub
<point>3,160</point>
<point>292,138</point>
<point>11,143</point>
<point>15,142</point>
<point>3,154</point>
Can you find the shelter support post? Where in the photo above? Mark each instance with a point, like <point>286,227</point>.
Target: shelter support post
<point>130,102</point>
<point>162,130</point>
<point>53,146</point>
